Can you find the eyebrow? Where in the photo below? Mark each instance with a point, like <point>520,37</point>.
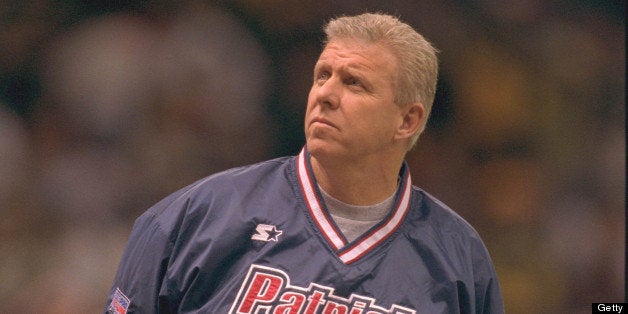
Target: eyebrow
<point>351,68</point>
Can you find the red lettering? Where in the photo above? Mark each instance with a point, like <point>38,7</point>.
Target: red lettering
<point>263,289</point>
<point>267,290</point>
<point>335,308</point>
<point>294,305</point>
<point>358,308</point>
<point>315,300</point>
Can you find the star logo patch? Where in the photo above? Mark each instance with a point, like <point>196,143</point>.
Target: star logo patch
<point>266,233</point>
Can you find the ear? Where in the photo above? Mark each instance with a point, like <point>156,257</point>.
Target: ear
<point>413,116</point>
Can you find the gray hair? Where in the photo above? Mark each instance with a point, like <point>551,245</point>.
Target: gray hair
<point>417,62</point>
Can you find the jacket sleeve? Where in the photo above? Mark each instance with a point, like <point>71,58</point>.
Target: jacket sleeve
<point>141,271</point>
<point>491,301</point>
<point>488,296</point>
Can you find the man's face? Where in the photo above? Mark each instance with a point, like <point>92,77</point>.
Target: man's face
<point>350,110</point>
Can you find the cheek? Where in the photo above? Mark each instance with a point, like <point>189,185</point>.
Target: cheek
<point>308,110</point>
<point>383,123</point>
<point>311,99</point>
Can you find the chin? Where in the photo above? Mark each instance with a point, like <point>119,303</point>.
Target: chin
<point>317,146</point>
<point>321,149</point>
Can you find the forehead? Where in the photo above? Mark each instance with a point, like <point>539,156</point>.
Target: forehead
<point>358,54</point>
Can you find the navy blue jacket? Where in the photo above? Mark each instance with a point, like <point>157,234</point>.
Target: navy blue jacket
<point>259,239</point>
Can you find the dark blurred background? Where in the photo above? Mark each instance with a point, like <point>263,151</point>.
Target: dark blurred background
<point>108,106</point>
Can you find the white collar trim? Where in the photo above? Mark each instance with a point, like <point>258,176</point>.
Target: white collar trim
<point>350,253</point>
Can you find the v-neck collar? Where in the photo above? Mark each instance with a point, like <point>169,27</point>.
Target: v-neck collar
<point>350,252</point>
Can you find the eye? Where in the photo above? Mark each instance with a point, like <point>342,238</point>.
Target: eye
<point>322,76</point>
<point>353,81</point>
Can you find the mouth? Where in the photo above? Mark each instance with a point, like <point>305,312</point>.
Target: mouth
<point>322,121</point>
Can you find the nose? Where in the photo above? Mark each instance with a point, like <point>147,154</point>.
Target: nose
<point>328,93</point>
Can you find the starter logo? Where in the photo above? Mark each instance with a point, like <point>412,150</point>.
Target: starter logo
<point>267,290</point>
<point>266,233</point>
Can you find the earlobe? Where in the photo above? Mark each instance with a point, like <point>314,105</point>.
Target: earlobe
<point>412,120</point>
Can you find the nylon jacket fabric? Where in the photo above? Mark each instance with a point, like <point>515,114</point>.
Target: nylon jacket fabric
<point>258,239</point>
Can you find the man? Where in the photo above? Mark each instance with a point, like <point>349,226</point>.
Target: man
<point>338,228</point>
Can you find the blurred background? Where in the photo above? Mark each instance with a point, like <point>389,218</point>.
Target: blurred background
<point>105,108</point>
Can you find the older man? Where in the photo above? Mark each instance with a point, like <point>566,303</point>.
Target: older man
<point>337,229</point>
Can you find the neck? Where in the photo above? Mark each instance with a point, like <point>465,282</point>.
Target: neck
<point>357,182</point>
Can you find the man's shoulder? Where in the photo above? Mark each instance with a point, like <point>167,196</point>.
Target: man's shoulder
<point>227,184</point>
<point>440,216</point>
<point>244,174</point>
<point>437,226</point>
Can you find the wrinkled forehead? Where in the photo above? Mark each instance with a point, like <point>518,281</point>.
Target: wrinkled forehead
<point>359,53</point>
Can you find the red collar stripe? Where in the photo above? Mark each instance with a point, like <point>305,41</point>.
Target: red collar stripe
<point>384,231</point>
<point>314,205</point>
<point>350,254</point>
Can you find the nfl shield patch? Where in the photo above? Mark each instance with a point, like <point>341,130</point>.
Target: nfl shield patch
<point>119,303</point>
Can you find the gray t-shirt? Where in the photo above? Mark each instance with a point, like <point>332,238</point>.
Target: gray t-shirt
<point>354,220</point>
